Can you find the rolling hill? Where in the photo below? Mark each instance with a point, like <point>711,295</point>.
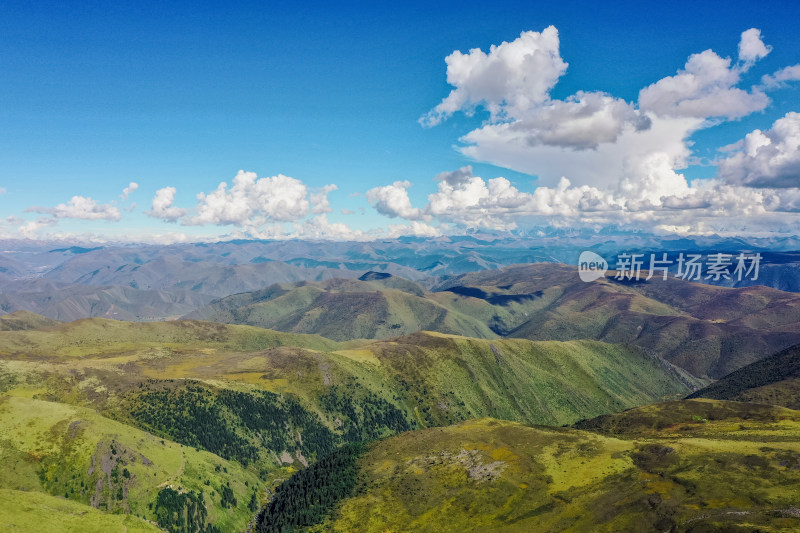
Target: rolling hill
<point>425,378</point>
<point>20,320</point>
<point>709,467</point>
<point>342,309</point>
<point>37,511</point>
<point>86,462</point>
<point>187,420</point>
<point>773,380</point>
<point>707,330</point>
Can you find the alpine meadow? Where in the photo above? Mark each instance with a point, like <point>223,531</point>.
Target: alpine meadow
<point>373,268</point>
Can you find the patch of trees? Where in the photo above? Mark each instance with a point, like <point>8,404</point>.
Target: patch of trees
<point>270,415</point>
<point>191,416</point>
<point>182,512</point>
<point>234,425</point>
<point>365,416</point>
<point>307,498</point>
<point>227,497</point>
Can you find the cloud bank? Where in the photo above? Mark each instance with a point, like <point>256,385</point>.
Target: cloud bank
<point>601,160</point>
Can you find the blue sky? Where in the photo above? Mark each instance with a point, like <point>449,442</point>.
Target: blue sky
<point>95,96</point>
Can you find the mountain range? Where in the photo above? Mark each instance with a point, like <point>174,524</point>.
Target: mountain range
<point>183,277</point>
<point>512,398</point>
<point>706,330</point>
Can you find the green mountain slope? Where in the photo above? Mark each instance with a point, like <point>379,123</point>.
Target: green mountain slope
<point>344,309</point>
<point>774,380</point>
<point>20,320</point>
<point>22,511</point>
<point>429,378</point>
<point>247,406</point>
<point>95,336</point>
<point>74,453</point>
<point>707,330</point>
<point>697,474</point>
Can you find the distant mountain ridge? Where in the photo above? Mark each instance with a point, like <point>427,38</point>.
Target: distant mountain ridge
<point>709,331</point>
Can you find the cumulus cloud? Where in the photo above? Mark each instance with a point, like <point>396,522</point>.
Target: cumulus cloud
<point>319,200</point>
<point>319,227</point>
<point>128,190</point>
<point>2,190</point>
<point>779,78</point>
<point>705,88</point>
<point>663,199</point>
<point>29,229</point>
<point>252,202</point>
<point>593,138</point>
<point>751,47</point>
<point>509,81</point>
<point>600,160</point>
<point>582,121</point>
<point>80,207</point>
<point>766,158</point>
<point>393,201</point>
<point>601,167</point>
<point>415,229</point>
<point>163,207</point>
<point>513,82</point>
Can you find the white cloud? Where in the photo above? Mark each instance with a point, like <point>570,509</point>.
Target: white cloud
<point>603,167</point>
<point>601,160</point>
<point>581,121</point>
<point>29,229</point>
<point>2,190</point>
<point>128,190</point>
<point>779,78</point>
<point>319,227</point>
<point>81,207</point>
<point>662,198</point>
<point>751,47</point>
<point>393,201</point>
<point>319,200</point>
<point>509,81</point>
<point>162,205</point>
<point>513,82</point>
<point>651,179</point>
<point>468,200</point>
<point>415,229</point>
<point>253,201</point>
<point>767,158</point>
<point>704,88</point>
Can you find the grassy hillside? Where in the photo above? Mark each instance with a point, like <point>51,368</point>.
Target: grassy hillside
<point>774,380</point>
<point>371,308</point>
<point>430,378</point>
<point>449,378</point>
<point>696,473</point>
<point>707,330</point>
<point>221,412</point>
<point>97,336</point>
<point>76,454</point>
<point>22,511</point>
<point>20,320</point>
